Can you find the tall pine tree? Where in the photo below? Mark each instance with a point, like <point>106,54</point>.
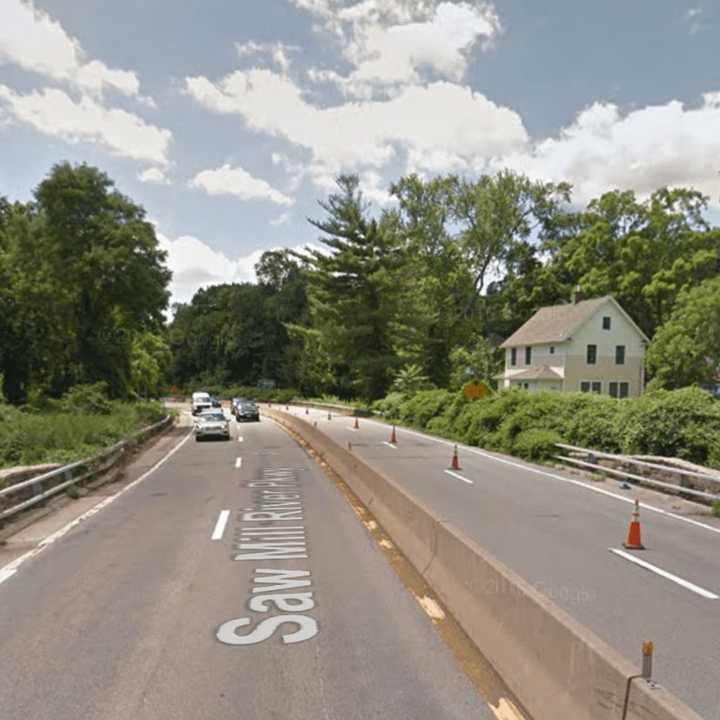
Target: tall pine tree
<point>356,291</point>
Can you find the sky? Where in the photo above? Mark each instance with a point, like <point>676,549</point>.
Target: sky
<point>228,121</point>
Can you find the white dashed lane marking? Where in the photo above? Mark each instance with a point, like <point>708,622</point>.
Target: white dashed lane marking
<point>220,525</point>
<point>665,574</point>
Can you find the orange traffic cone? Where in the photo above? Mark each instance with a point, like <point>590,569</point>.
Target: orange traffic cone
<point>455,462</point>
<point>633,541</point>
<point>393,437</point>
<point>356,425</point>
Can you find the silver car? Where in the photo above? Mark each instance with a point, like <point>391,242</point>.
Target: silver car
<point>212,423</point>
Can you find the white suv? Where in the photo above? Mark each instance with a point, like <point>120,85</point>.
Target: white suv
<point>201,401</point>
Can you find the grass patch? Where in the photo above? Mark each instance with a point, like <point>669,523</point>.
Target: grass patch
<point>62,434</point>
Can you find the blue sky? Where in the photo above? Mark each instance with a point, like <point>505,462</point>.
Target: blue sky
<point>228,121</point>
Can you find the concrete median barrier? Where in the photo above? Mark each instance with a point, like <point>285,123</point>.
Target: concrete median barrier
<point>557,668</point>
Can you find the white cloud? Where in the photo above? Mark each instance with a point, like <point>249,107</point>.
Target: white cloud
<point>440,123</point>
<point>279,53</point>
<point>32,39</point>
<point>394,56</point>
<point>692,18</point>
<point>295,171</point>
<point>228,180</point>
<point>53,112</point>
<point>371,184</point>
<point>396,42</point>
<point>154,175</point>
<point>643,149</point>
<point>280,220</point>
<point>196,265</point>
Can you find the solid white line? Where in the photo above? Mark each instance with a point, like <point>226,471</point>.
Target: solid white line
<point>238,463</point>
<point>459,477</point>
<point>663,573</point>
<point>9,570</point>
<point>390,445</point>
<point>544,473</point>
<point>220,525</point>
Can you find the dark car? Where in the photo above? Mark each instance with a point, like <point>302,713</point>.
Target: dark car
<point>247,411</point>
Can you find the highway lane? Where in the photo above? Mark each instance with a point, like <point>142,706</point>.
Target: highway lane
<point>139,611</point>
<point>557,533</point>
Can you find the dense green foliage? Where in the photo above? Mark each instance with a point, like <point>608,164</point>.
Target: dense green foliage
<point>236,334</point>
<point>247,392</point>
<point>686,349</point>
<point>681,423</point>
<point>83,288</point>
<point>73,427</point>
<point>421,294</point>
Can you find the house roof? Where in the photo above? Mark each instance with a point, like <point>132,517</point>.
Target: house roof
<point>557,323</point>
<point>537,372</point>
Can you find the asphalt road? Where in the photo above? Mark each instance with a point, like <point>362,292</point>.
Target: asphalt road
<point>137,613</point>
<point>557,533</point>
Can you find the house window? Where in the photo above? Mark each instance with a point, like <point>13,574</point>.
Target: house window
<point>526,386</point>
<point>591,354</point>
<point>587,386</point>
<point>619,354</point>
<point>619,390</point>
<point>584,386</point>
<point>513,356</point>
<point>552,349</point>
<point>597,387</point>
<point>528,355</point>
<point>606,323</point>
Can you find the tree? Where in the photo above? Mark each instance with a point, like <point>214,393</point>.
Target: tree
<point>150,357</point>
<point>410,379</point>
<point>498,216</point>
<point>106,257</point>
<point>355,292</point>
<point>479,364</point>
<point>686,349</point>
<point>442,280</point>
<point>81,273</point>
<point>643,253</point>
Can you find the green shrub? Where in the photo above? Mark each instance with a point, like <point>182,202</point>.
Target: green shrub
<point>596,425</point>
<point>716,508</point>
<point>681,423</point>
<point>91,399</point>
<point>536,444</point>
<point>421,407</point>
<point>479,422</point>
<point>389,406</point>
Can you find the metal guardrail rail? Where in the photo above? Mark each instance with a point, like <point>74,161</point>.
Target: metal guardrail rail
<point>681,487</point>
<point>42,487</point>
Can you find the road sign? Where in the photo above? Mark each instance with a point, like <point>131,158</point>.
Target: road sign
<point>475,390</point>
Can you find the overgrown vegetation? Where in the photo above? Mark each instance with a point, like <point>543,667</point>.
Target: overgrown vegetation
<point>83,290</point>
<point>73,427</point>
<point>680,423</point>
